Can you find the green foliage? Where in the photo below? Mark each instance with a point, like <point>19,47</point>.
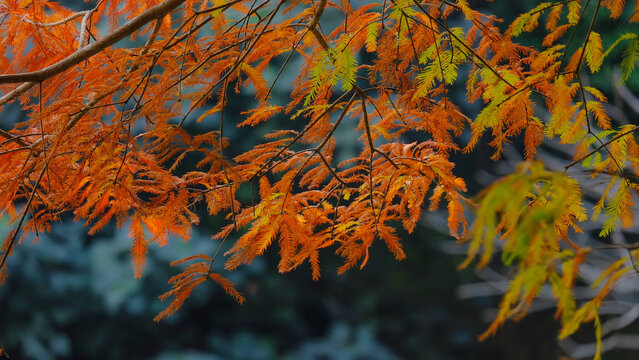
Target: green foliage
<point>630,58</point>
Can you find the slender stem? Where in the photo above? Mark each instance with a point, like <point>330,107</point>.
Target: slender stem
<point>602,146</point>
<point>16,232</point>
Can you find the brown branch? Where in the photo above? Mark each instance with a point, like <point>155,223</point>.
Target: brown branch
<point>24,148</point>
<point>585,103</point>
<point>572,34</point>
<point>221,146</point>
<point>330,168</point>
<point>9,137</point>
<point>56,23</point>
<point>288,58</point>
<point>312,26</point>
<point>318,14</point>
<point>601,147</point>
<point>16,232</point>
<point>592,24</point>
<point>371,149</point>
<point>85,53</point>
<point>16,92</point>
<point>617,246</point>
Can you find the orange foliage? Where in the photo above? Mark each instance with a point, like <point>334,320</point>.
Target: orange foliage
<point>104,136</point>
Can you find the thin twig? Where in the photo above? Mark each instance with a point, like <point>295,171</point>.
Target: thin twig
<point>601,146</point>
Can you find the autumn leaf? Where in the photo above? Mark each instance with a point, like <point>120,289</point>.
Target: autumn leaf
<point>132,118</point>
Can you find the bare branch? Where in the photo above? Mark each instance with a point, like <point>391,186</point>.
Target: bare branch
<point>16,92</point>
<point>56,23</point>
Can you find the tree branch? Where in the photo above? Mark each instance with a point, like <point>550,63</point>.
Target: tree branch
<point>56,23</point>
<point>83,54</point>
<point>16,92</point>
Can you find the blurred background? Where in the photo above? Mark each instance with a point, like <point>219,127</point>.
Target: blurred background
<point>73,296</point>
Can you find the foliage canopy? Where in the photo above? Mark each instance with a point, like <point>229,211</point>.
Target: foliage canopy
<point>109,92</point>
